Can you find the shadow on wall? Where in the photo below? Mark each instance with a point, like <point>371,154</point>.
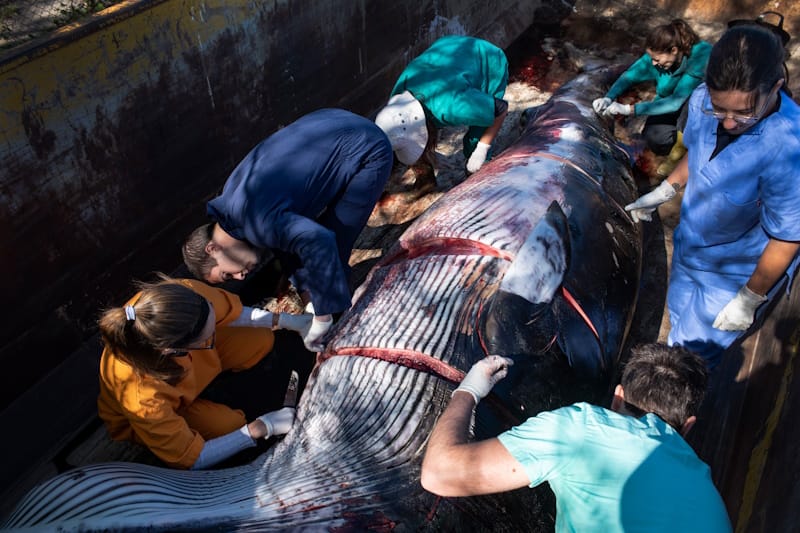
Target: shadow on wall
<point>746,430</point>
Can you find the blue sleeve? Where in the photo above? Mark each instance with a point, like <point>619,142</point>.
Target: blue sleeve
<point>322,273</point>
<point>780,184</point>
<point>691,133</point>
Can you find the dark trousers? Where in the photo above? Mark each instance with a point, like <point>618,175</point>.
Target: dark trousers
<point>262,388</point>
<point>660,131</point>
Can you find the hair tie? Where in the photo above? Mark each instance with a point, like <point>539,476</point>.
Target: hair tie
<point>130,313</point>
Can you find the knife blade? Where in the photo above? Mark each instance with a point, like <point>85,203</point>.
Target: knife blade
<point>290,398</point>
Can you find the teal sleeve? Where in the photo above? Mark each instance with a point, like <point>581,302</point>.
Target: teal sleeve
<point>640,71</point>
<point>544,443</point>
<point>672,103</point>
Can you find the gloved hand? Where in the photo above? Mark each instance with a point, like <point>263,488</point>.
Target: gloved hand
<point>643,208</point>
<point>313,337</point>
<point>600,104</point>
<point>278,422</point>
<point>484,375</point>
<point>478,157</point>
<point>618,109</point>
<point>299,323</point>
<point>739,313</point>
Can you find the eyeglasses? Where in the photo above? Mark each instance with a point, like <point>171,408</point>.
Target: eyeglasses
<point>742,120</point>
<point>207,345</point>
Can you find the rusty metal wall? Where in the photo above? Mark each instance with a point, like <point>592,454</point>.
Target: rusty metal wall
<point>114,133</point>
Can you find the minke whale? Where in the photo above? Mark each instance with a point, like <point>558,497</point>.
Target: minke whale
<point>533,257</point>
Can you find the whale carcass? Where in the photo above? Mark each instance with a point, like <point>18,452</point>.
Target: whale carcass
<point>533,257</point>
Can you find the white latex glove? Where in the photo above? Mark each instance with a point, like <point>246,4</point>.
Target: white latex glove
<point>299,323</point>
<point>253,317</point>
<point>278,422</point>
<point>478,157</point>
<point>600,104</point>
<point>739,313</point>
<point>618,109</point>
<point>643,208</point>
<point>313,338</point>
<point>484,375</point>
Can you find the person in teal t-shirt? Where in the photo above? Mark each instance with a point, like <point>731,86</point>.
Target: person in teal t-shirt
<point>676,61</point>
<point>457,81</point>
<point>621,469</point>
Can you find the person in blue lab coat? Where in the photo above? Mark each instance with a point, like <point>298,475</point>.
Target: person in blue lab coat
<point>739,230</point>
<point>306,192</point>
<point>457,81</point>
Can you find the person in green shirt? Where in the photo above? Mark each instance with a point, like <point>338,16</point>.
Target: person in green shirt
<point>675,60</point>
<point>457,81</point>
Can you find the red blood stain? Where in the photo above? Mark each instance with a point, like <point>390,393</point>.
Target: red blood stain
<point>528,62</point>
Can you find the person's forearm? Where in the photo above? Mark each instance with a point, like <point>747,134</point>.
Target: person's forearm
<point>680,175</point>
<point>453,426</point>
<point>492,131</point>
<point>772,264</point>
<point>454,466</point>
<point>451,430</point>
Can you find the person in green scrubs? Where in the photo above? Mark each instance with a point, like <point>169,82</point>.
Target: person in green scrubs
<point>457,81</point>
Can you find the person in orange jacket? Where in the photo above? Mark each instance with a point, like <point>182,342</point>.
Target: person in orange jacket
<point>163,348</point>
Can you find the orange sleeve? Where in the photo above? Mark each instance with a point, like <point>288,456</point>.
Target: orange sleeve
<point>144,409</point>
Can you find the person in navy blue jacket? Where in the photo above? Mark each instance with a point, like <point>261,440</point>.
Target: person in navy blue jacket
<point>306,191</point>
